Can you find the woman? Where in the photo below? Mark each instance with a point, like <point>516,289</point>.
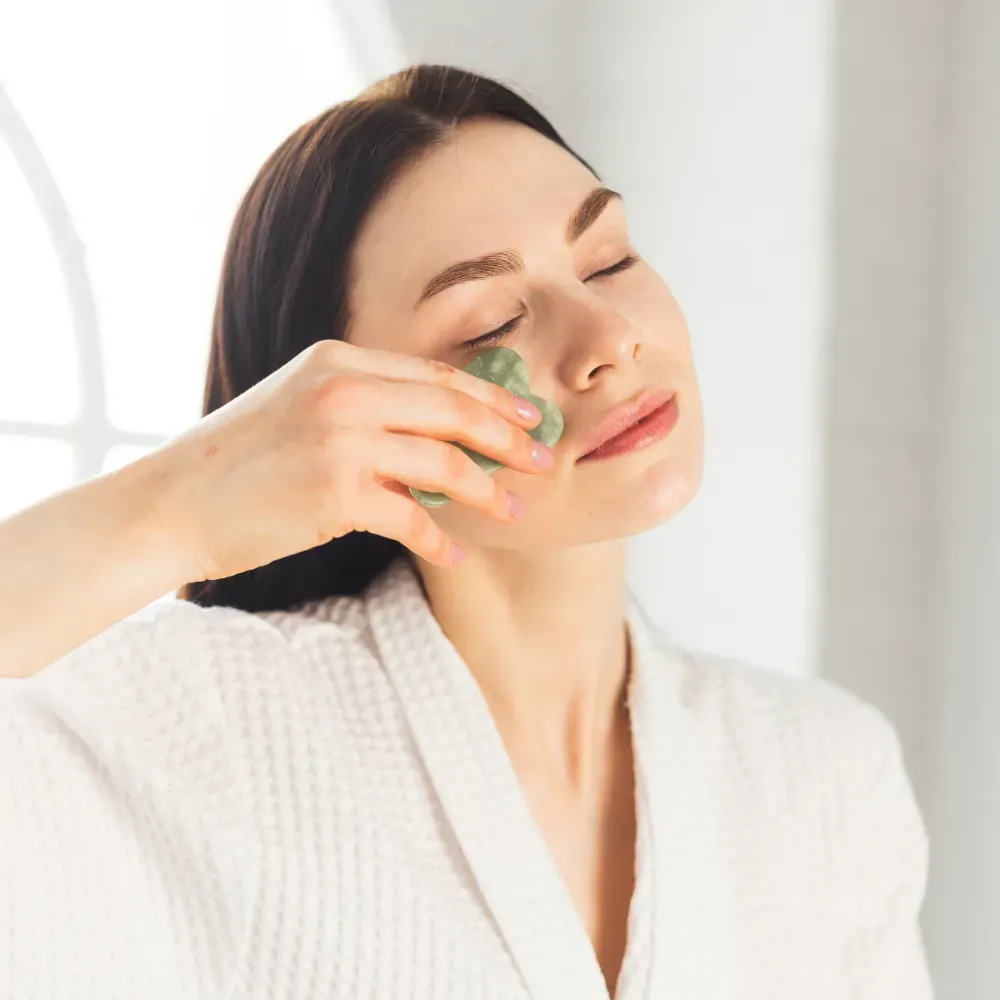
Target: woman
<point>360,760</point>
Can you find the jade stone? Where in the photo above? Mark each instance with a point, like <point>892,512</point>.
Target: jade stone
<point>506,368</point>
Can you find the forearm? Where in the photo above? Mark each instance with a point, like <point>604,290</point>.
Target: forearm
<point>76,563</point>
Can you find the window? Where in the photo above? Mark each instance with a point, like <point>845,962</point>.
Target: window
<point>128,134</point>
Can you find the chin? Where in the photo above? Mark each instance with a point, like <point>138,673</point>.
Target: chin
<point>636,504</point>
<point>631,493</point>
<point>625,504</point>
<point>628,498</point>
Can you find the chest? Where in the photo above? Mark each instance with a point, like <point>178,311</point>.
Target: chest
<point>403,855</point>
<point>592,841</point>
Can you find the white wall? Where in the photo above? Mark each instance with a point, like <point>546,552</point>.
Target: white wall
<point>885,328</point>
<point>912,575</point>
<point>528,43</point>
<point>962,727</point>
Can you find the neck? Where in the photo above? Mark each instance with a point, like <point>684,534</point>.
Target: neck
<point>544,637</point>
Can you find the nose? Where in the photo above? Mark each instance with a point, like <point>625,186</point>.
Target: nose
<point>602,343</point>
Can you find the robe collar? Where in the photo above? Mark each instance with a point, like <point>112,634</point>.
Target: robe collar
<point>480,794</point>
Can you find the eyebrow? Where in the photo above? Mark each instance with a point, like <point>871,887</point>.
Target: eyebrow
<point>493,265</point>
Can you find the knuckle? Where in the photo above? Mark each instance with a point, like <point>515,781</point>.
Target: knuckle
<point>500,434</point>
<point>328,352</point>
<point>466,410</point>
<point>335,521</point>
<point>523,445</point>
<point>442,372</point>
<point>336,450</point>
<point>341,469</point>
<point>511,435</point>
<point>437,544</point>
<point>321,356</point>
<point>499,396</point>
<point>340,508</point>
<point>499,494</point>
<point>419,524</point>
<point>344,394</point>
<point>442,550</point>
<point>456,463</point>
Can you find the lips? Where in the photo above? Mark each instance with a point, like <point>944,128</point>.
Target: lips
<point>624,417</point>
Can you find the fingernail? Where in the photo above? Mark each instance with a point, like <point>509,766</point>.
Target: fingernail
<point>458,554</point>
<point>527,410</point>
<point>515,505</point>
<point>542,456</point>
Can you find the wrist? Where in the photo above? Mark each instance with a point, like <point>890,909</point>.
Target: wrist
<point>155,523</point>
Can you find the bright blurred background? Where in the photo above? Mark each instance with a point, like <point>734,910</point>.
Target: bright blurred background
<point>818,181</point>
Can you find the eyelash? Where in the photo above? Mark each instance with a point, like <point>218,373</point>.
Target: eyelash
<point>511,325</point>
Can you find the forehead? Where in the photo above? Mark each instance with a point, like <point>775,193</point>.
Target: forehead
<point>492,185</point>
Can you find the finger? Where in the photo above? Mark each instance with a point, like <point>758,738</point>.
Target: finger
<point>402,518</point>
<point>428,464</point>
<point>421,409</point>
<point>397,487</point>
<point>410,368</point>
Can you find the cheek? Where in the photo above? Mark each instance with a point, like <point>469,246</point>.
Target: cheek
<point>653,309</point>
<point>576,507</point>
<point>547,497</point>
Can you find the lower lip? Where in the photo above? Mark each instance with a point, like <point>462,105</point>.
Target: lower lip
<point>657,425</point>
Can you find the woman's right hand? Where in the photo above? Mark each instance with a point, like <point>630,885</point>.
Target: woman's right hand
<point>330,443</point>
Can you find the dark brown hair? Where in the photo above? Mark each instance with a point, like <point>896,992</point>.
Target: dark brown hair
<point>286,272</point>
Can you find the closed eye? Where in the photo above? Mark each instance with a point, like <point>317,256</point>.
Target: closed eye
<point>494,336</point>
<point>626,262</point>
<point>502,332</point>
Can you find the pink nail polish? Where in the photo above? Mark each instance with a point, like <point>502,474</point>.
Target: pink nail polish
<point>542,456</point>
<point>527,410</point>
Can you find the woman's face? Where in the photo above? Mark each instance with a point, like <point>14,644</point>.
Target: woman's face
<point>499,187</point>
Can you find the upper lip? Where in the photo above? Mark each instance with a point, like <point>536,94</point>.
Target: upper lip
<point>624,416</point>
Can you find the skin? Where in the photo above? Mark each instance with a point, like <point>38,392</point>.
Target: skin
<point>552,655</point>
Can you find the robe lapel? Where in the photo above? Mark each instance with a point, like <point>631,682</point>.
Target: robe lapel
<point>482,798</point>
<point>694,939</point>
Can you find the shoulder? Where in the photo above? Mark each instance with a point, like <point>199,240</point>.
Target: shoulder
<point>176,646</point>
<point>143,697</point>
<point>120,771</point>
<point>171,675</point>
<point>166,651</point>
<point>791,712</point>
<point>792,741</point>
<point>803,778</point>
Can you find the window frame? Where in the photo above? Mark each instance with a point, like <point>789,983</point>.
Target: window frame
<point>90,435</point>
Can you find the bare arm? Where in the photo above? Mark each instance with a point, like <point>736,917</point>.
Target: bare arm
<point>313,451</point>
<point>76,563</point>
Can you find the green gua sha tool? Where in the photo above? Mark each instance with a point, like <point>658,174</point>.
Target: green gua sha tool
<point>506,368</point>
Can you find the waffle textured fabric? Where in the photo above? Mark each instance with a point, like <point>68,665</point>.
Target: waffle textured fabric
<point>316,804</point>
